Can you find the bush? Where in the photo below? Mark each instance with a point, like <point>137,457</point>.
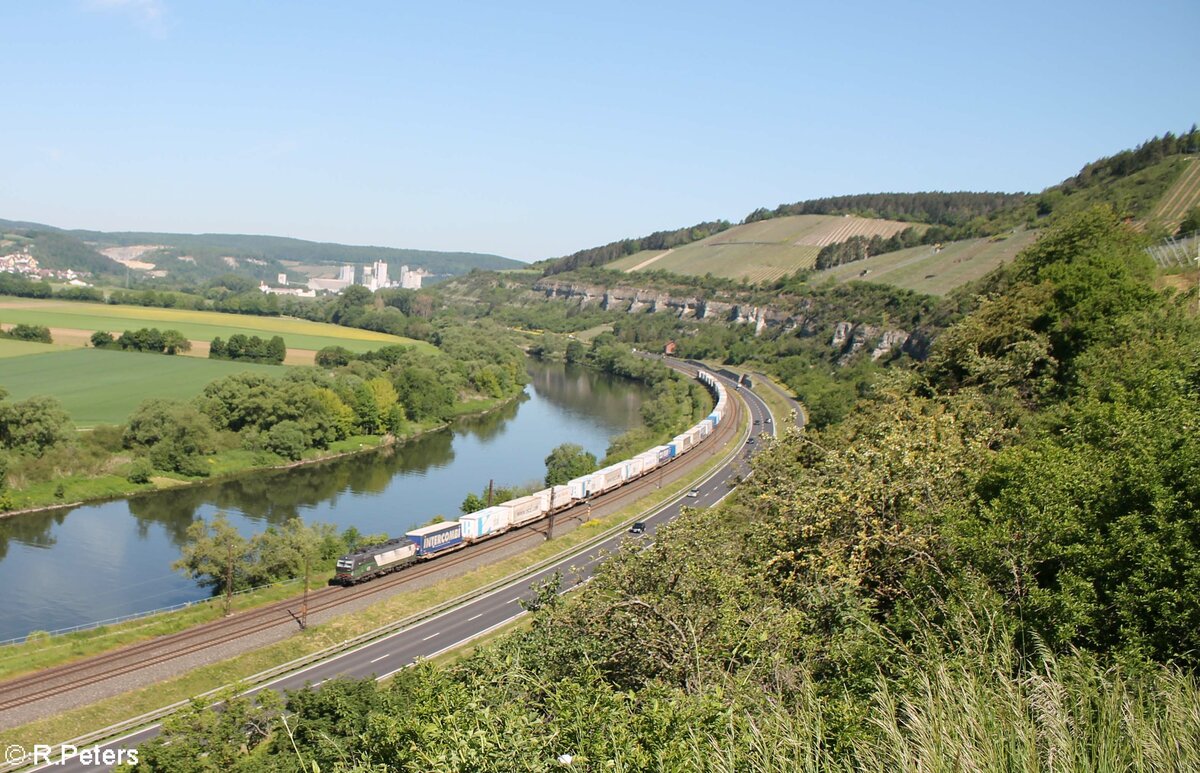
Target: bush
<point>334,357</point>
<point>140,471</point>
<point>38,333</point>
<point>102,339</point>
<point>286,439</point>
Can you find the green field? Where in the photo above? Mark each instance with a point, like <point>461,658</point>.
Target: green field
<point>103,387</point>
<point>937,273</point>
<point>12,348</point>
<point>195,325</point>
<point>761,251</point>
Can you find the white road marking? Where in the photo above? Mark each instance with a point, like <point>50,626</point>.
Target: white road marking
<point>518,598</point>
<point>430,636</point>
<point>381,657</point>
<point>469,619</point>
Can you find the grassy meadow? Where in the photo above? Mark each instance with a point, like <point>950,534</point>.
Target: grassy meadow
<point>761,251</point>
<point>11,348</point>
<point>104,386</point>
<point>195,325</point>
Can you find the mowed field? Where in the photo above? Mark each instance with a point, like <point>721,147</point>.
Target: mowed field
<point>195,325</point>
<point>937,273</point>
<point>762,251</point>
<point>104,386</point>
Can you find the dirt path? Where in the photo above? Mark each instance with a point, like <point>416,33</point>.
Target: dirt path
<point>648,261</point>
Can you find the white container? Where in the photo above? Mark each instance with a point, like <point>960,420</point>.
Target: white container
<point>560,497</point>
<point>579,487</point>
<point>485,522</point>
<point>395,554</point>
<point>529,508</point>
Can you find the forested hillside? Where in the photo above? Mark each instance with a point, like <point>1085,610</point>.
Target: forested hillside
<point>991,563</point>
<point>204,255</point>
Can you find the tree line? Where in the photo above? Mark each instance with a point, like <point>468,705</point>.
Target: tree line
<point>659,240</point>
<point>244,348</point>
<point>948,208</point>
<point>862,247</point>
<point>23,332</point>
<point>147,339</point>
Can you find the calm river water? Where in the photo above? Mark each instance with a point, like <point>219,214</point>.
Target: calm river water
<point>73,566</point>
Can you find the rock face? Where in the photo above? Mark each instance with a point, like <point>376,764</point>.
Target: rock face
<point>849,337</point>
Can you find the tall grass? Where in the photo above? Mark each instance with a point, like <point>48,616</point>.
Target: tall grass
<point>1070,714</point>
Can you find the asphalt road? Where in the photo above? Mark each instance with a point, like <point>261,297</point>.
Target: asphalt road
<point>453,628</point>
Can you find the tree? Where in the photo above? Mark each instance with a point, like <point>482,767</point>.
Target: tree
<point>102,339</point>
<point>173,341</point>
<point>575,351</point>
<point>287,439</point>
<point>174,434</point>
<point>217,556</point>
<point>334,357</point>
<point>568,461</point>
<point>33,426</point>
<point>275,350</point>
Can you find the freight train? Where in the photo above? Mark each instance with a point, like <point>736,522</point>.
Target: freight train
<point>431,541</point>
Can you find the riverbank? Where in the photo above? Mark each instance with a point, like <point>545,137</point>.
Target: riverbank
<point>66,492</point>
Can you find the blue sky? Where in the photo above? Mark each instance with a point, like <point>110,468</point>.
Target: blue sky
<point>535,129</point>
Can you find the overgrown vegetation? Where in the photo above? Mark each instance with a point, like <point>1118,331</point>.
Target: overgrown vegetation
<point>991,563</point>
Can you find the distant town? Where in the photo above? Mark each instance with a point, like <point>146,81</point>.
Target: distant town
<point>27,265</point>
<point>374,277</point>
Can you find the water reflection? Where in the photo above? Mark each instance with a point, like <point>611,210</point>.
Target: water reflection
<point>126,560</point>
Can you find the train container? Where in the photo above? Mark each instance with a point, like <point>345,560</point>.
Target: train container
<point>579,487</point>
<point>715,419</point>
<point>435,538</point>
<point>607,479</point>
<point>374,560</point>
<point>484,523</point>
<point>694,435</point>
<point>675,447</point>
<point>529,508</point>
<point>560,497</point>
<point>649,460</point>
<point>663,452</point>
<point>634,468</point>
<point>682,444</point>
<point>706,428</point>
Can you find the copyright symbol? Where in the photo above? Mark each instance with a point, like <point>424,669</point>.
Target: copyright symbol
<point>14,753</point>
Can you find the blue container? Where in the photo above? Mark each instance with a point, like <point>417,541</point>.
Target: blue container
<point>439,536</point>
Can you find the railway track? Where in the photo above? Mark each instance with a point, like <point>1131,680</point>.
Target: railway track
<point>33,688</point>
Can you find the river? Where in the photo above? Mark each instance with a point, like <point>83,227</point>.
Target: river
<point>74,566</point>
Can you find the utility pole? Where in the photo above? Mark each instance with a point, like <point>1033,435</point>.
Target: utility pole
<point>491,489</point>
<point>229,578</point>
<point>304,604</point>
